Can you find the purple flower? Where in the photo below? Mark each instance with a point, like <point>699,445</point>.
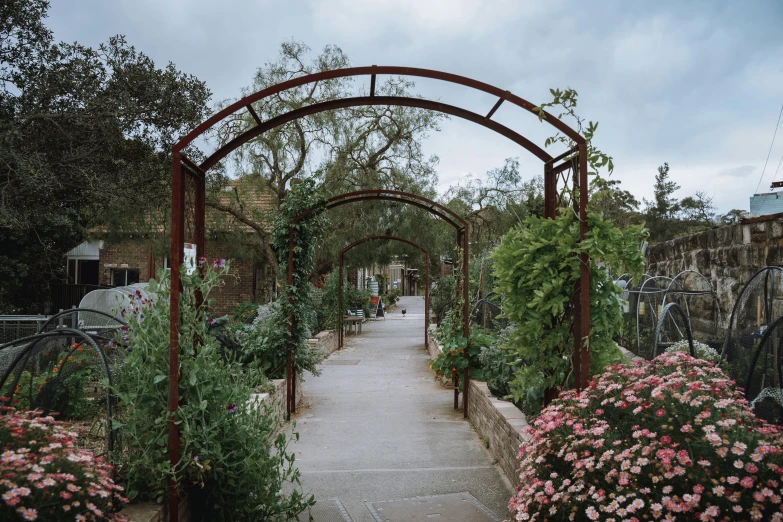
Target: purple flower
<point>231,407</point>
<point>195,457</point>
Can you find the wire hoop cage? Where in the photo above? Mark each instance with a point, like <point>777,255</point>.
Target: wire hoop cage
<point>66,369</point>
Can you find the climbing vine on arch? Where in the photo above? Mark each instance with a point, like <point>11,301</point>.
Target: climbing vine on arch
<point>308,233</point>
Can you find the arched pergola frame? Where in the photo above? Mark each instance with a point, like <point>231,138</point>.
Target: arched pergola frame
<point>459,224</point>
<point>426,281</point>
<point>574,160</point>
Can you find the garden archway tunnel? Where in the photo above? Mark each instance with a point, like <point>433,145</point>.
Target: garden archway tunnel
<point>426,281</point>
<point>184,170</point>
<point>435,208</point>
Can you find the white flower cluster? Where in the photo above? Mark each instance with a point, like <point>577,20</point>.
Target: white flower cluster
<point>701,350</point>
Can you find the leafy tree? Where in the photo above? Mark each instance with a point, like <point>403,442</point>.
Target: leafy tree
<point>84,135</point>
<point>661,212</point>
<point>346,149</point>
<point>732,217</point>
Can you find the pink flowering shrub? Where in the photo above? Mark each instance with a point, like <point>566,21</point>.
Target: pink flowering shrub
<point>44,477</point>
<point>668,440</point>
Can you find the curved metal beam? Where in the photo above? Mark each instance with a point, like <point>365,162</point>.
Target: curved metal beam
<point>362,101</point>
<point>381,238</point>
<point>374,70</point>
<point>433,207</point>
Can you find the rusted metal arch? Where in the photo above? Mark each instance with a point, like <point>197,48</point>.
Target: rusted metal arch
<point>360,101</point>
<point>459,224</point>
<point>373,71</point>
<point>575,159</point>
<point>426,282</point>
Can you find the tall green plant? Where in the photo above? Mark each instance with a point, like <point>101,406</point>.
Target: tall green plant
<point>307,234</point>
<point>231,452</point>
<point>537,267</point>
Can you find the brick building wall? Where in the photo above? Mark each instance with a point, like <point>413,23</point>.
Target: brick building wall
<point>248,279</point>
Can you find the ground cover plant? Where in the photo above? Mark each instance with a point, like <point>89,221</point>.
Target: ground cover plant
<point>671,439</point>
<point>43,476</point>
<point>234,462</point>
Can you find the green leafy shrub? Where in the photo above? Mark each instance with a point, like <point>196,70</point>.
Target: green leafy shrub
<point>458,352</point>
<point>536,268</point>
<point>262,345</point>
<point>243,311</point>
<point>443,294</point>
<point>43,476</point>
<point>498,366</point>
<point>232,455</point>
<point>393,296</point>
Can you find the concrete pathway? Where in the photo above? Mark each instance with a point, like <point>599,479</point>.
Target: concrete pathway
<point>375,426</point>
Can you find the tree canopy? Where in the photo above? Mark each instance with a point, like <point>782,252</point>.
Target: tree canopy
<point>84,139</point>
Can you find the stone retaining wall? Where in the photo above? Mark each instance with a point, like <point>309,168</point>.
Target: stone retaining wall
<point>326,340</point>
<point>729,256</point>
<point>499,424</point>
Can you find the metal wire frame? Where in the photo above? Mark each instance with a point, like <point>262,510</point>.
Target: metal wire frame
<point>766,271</point>
<point>576,159</point>
<point>33,340</point>
<point>688,293</point>
<point>426,282</point>
<point>671,309</point>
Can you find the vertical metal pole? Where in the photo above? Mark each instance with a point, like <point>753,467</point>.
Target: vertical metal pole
<point>465,312</point>
<point>584,279</point>
<point>200,199</point>
<point>176,255</point>
<point>340,305</point>
<point>289,356</point>
<point>550,192</point>
<point>576,300</point>
<point>427,301</point>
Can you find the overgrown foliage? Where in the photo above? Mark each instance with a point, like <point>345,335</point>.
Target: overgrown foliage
<point>232,456</point>
<point>295,302</point>
<point>536,268</point>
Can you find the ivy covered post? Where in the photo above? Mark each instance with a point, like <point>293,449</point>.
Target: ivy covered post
<point>298,231</point>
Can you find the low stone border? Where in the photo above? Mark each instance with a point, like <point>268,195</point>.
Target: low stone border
<point>499,423</point>
<point>156,512</point>
<point>326,340</point>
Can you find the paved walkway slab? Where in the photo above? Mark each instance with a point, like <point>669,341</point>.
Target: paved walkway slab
<point>376,427</point>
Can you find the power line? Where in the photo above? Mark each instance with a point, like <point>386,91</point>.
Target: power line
<point>770,149</point>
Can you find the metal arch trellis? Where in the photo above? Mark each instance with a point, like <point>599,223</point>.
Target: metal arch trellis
<point>183,169</point>
<point>669,310</point>
<point>426,281</point>
<point>452,218</point>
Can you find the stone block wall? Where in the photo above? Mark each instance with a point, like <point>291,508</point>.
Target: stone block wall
<point>499,424</point>
<point>729,256</point>
<point>326,340</point>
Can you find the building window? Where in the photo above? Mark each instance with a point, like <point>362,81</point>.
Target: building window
<point>124,276</point>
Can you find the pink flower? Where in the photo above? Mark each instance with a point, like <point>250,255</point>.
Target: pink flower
<point>746,482</point>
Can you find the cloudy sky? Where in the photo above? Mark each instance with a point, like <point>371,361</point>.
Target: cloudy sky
<point>697,84</point>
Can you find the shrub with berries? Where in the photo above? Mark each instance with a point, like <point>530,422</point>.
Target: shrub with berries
<point>43,476</point>
<point>671,439</point>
